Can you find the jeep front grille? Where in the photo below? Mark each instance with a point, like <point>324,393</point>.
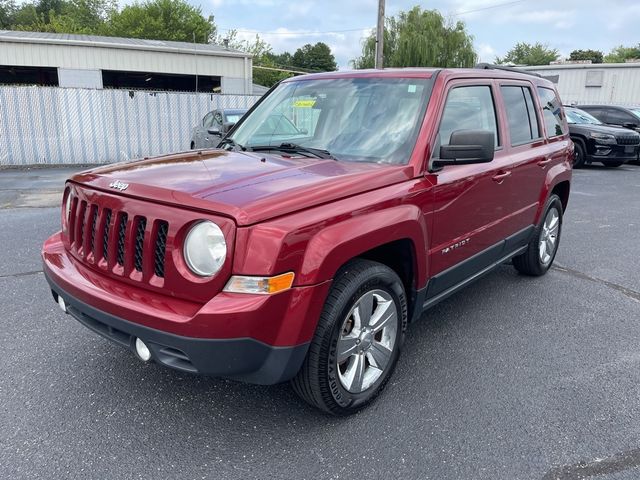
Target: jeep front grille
<point>97,232</point>
<point>161,248</point>
<point>628,140</point>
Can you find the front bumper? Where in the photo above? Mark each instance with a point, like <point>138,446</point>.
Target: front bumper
<point>240,358</point>
<point>613,153</point>
<point>257,339</point>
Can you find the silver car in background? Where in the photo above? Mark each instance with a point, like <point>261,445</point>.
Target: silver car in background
<point>214,125</point>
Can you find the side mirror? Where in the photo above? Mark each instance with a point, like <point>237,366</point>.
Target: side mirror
<point>227,126</point>
<point>214,131</point>
<point>630,125</point>
<point>466,147</point>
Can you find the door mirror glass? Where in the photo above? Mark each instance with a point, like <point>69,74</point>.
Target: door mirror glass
<point>466,147</point>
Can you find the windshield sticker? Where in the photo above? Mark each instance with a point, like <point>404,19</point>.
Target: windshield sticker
<point>304,103</point>
<point>411,88</point>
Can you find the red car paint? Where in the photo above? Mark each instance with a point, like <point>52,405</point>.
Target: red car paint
<point>304,215</point>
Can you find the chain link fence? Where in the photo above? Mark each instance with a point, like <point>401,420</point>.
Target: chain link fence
<point>53,126</point>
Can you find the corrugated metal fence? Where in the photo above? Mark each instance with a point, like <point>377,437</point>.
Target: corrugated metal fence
<point>50,125</point>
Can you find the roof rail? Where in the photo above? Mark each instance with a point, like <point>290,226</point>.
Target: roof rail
<point>489,66</point>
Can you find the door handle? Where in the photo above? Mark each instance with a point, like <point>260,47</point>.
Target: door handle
<point>500,176</point>
<point>545,162</point>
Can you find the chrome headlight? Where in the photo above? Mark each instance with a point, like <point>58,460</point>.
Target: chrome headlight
<point>205,249</point>
<point>604,138</point>
<point>66,210</point>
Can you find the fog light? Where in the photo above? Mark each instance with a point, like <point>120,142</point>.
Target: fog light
<point>62,304</point>
<point>142,350</point>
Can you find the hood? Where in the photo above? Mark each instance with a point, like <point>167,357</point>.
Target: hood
<point>248,187</point>
<point>608,129</point>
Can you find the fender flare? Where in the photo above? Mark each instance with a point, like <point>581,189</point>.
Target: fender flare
<point>335,245</point>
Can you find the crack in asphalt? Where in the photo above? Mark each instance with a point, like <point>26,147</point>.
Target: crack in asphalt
<point>575,273</point>
<point>601,466</point>
<point>21,274</point>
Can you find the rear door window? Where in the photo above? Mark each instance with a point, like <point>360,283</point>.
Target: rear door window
<point>552,112</point>
<point>521,114</point>
<point>468,108</point>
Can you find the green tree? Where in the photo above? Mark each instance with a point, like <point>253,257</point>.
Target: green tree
<point>84,17</point>
<point>173,20</point>
<point>621,54</point>
<point>265,69</point>
<point>7,12</point>
<point>595,56</point>
<point>316,57</point>
<point>526,54</point>
<point>420,38</point>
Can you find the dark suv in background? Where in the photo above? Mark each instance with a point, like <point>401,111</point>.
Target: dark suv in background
<point>596,142</point>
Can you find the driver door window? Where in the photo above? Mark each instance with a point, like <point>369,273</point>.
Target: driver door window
<point>468,108</point>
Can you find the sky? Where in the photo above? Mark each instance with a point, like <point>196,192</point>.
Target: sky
<point>496,25</point>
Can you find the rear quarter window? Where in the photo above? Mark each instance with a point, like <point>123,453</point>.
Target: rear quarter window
<point>552,112</point>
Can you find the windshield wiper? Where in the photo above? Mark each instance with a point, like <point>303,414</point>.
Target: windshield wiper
<point>230,141</point>
<point>295,148</point>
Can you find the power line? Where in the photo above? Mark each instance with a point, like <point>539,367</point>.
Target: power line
<point>245,30</point>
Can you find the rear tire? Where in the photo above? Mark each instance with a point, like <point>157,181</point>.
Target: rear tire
<point>193,146</point>
<point>578,155</point>
<point>357,341</point>
<point>613,164</point>
<point>542,249</point>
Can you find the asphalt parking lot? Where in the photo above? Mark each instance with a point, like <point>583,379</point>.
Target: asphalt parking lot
<point>513,378</point>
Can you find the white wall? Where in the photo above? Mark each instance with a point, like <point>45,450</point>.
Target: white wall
<point>620,85</point>
<point>76,57</point>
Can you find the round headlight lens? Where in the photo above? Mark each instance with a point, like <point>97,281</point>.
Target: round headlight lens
<point>205,249</point>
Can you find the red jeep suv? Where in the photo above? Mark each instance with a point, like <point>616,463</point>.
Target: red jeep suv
<point>332,215</point>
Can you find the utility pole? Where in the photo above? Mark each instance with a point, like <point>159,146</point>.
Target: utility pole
<point>380,35</point>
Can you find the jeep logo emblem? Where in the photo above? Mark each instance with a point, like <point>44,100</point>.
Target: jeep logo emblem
<point>118,185</point>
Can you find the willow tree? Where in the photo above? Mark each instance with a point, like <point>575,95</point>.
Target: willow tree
<point>421,38</point>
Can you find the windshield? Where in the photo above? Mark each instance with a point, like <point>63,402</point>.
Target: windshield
<point>575,115</point>
<point>355,119</point>
<point>233,117</point>
<point>636,112</point>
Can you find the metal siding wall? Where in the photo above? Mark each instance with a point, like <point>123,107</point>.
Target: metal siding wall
<point>48,125</point>
<point>619,86</point>
<point>73,56</point>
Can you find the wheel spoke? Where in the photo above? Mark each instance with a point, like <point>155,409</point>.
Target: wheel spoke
<point>380,355</point>
<point>543,249</point>
<point>347,346</point>
<point>354,375</point>
<point>365,309</point>
<point>553,221</point>
<point>384,315</point>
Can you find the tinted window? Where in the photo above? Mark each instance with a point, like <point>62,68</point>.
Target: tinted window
<point>468,108</point>
<point>596,112</point>
<point>523,124</point>
<point>619,117</point>
<point>552,112</point>
<point>533,116</point>
<point>207,120</point>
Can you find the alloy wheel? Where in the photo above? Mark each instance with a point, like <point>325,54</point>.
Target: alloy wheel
<point>367,338</point>
<point>549,236</point>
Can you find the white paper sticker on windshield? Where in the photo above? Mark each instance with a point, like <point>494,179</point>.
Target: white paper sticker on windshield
<point>411,89</point>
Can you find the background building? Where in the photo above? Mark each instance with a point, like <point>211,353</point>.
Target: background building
<point>86,61</point>
<point>603,83</point>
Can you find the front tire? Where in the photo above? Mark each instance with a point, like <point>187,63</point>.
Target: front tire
<point>357,341</point>
<point>579,157</point>
<point>542,249</point>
